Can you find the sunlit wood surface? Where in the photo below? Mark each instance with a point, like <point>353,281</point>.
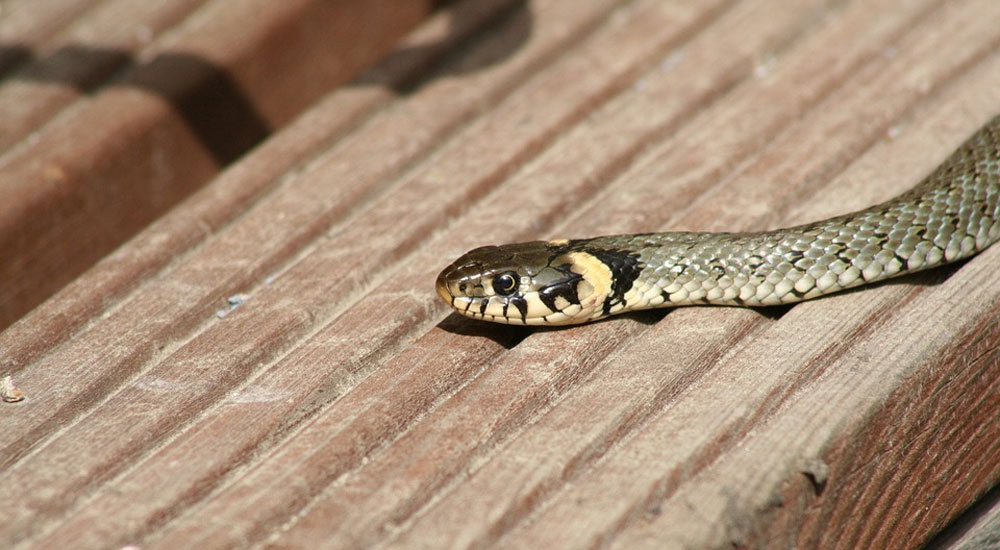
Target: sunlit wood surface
<point>266,364</point>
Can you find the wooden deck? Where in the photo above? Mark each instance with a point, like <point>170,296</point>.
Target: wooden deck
<point>258,358</point>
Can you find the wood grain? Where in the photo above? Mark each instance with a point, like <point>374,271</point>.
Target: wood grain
<point>26,25</point>
<point>159,119</point>
<point>79,59</point>
<point>338,404</point>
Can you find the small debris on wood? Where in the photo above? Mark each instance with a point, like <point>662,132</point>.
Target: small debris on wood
<point>10,393</point>
<point>233,302</point>
<point>816,470</point>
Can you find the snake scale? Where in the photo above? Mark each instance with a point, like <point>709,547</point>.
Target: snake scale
<point>952,214</point>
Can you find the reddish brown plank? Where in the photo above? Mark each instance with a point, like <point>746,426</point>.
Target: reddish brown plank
<point>78,60</point>
<point>324,175</point>
<point>978,527</point>
<point>236,189</point>
<point>684,348</point>
<point>341,405</point>
<point>25,25</point>
<point>202,96</point>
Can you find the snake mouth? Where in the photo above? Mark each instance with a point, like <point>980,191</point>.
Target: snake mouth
<point>499,310</point>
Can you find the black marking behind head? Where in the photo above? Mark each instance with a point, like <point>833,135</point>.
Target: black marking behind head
<point>625,269</point>
<point>565,288</point>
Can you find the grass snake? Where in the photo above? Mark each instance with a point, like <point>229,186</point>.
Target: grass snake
<point>952,214</point>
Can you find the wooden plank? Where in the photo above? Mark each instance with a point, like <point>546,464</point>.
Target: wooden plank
<point>286,225</point>
<point>683,348</point>
<point>341,405</point>
<point>25,25</point>
<point>79,59</point>
<point>522,381</point>
<point>202,96</point>
<point>272,226</point>
<point>977,528</point>
<point>236,189</point>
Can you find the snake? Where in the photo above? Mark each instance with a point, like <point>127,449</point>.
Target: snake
<point>951,214</point>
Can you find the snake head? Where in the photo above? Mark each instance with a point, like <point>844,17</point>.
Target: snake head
<point>534,283</point>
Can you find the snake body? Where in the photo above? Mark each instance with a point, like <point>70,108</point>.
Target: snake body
<point>952,214</point>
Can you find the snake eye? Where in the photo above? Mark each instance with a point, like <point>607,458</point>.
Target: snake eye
<point>505,283</point>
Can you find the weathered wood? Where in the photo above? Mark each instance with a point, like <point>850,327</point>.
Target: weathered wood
<point>25,26</point>
<point>199,96</point>
<point>977,528</point>
<point>291,218</point>
<point>78,60</point>
<point>342,406</point>
<point>236,189</point>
